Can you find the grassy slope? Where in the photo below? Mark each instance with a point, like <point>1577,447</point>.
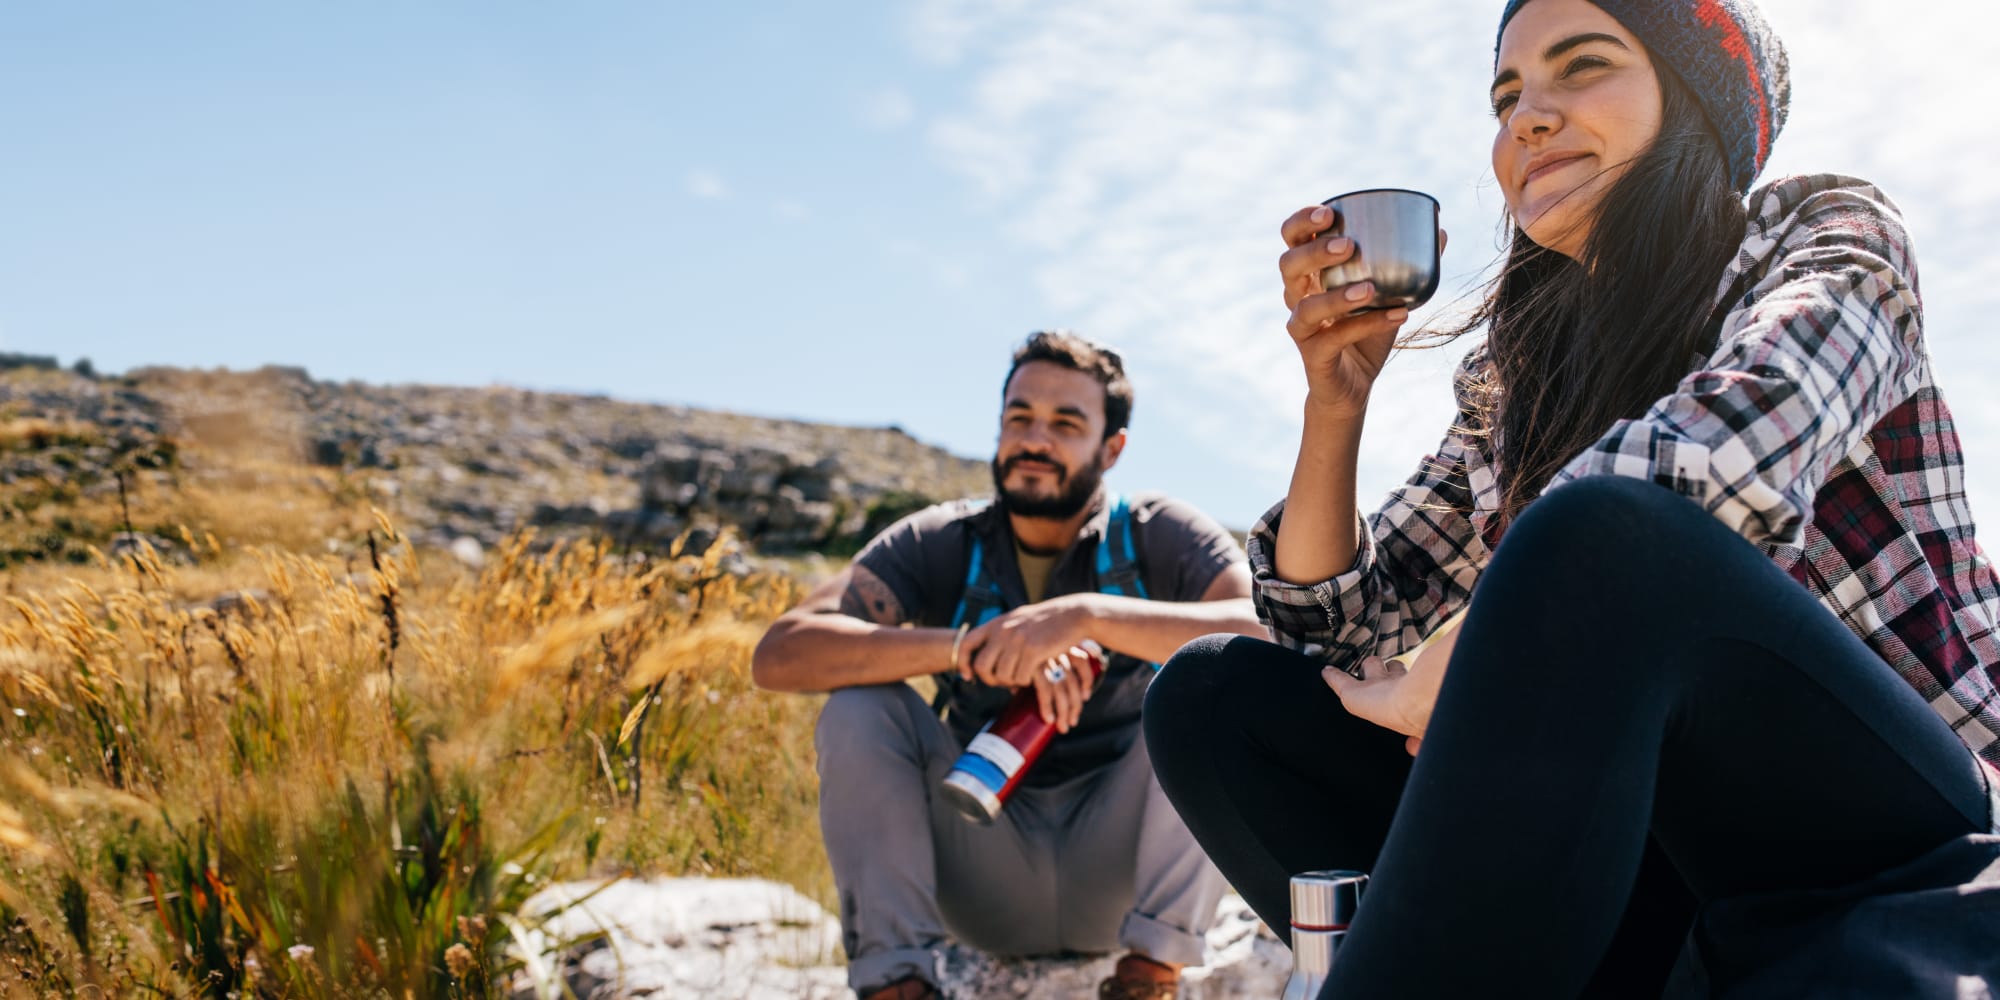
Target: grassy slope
<point>338,782</point>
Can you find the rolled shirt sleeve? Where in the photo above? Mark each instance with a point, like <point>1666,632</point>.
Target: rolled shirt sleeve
<point>1419,557</point>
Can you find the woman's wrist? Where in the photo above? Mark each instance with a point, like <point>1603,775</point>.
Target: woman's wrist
<point>1334,410</point>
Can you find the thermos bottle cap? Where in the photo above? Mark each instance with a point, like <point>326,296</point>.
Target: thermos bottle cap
<point>1326,900</point>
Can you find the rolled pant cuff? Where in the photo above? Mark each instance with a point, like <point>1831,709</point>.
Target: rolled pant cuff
<point>874,971</point>
<point>1161,941</point>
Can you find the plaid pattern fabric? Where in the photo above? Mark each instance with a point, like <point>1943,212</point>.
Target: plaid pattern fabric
<point>1813,430</point>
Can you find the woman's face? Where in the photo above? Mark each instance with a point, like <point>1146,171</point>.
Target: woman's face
<point>1577,102</point>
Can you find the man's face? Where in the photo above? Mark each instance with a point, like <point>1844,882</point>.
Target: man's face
<point>1052,452</point>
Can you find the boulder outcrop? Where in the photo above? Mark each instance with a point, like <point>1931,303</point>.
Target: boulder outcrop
<point>756,940</point>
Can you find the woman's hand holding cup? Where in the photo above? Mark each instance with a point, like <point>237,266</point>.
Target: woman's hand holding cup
<point>1342,340</point>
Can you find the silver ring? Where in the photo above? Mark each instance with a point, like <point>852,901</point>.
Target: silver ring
<point>1054,673</point>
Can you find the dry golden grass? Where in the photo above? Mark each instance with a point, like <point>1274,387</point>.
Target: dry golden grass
<point>39,432</point>
<point>301,769</point>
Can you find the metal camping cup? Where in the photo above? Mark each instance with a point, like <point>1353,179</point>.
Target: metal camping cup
<point>1395,234</point>
<point>1323,904</point>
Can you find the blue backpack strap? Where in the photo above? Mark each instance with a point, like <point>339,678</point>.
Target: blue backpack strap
<point>978,604</point>
<point>1117,561</point>
<point>1117,570</point>
<point>981,602</point>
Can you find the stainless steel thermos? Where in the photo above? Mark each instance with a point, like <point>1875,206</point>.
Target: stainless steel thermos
<point>1323,904</point>
<point>994,762</point>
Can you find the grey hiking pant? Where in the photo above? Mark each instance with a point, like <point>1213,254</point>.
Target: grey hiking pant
<point>1096,863</point>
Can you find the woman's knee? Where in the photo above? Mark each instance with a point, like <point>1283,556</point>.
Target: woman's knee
<point>1190,677</point>
<point>1626,528</point>
<point>1217,679</point>
<point>1594,512</point>
<point>1201,670</point>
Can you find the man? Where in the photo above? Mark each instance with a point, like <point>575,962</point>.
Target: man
<point>1088,856</point>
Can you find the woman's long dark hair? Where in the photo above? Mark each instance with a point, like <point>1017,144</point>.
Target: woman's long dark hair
<point>1577,346</point>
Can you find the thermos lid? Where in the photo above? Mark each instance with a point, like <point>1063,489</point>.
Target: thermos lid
<point>1326,900</point>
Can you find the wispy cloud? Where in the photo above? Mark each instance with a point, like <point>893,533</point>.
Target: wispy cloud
<point>887,109</point>
<point>706,185</point>
<point>1148,149</point>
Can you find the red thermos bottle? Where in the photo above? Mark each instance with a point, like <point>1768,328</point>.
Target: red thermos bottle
<point>994,762</point>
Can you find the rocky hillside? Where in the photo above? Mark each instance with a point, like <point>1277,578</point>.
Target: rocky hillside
<point>477,463</point>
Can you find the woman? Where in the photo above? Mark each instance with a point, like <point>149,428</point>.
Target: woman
<point>1739,637</point>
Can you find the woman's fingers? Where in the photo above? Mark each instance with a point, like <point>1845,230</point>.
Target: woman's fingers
<point>1332,305</point>
<point>1305,224</point>
<point>1371,697</point>
<point>1300,266</point>
<point>1344,684</point>
<point>1340,319</point>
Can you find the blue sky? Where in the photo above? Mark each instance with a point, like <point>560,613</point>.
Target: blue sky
<point>847,213</point>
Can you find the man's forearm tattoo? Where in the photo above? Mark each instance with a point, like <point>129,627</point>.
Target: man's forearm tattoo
<point>871,600</point>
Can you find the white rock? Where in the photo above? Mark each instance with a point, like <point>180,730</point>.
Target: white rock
<point>689,937</point>
<point>467,550</point>
<point>759,940</point>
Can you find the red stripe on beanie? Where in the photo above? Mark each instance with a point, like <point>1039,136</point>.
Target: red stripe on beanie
<point>1712,16</point>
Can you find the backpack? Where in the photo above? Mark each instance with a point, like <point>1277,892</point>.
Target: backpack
<point>1117,572</point>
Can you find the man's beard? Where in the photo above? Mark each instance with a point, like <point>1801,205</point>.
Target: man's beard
<point>1074,489</point>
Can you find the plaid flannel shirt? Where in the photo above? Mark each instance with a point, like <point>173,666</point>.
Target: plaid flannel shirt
<point>1813,430</point>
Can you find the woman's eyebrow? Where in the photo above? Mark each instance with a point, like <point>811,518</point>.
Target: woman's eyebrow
<point>1556,51</point>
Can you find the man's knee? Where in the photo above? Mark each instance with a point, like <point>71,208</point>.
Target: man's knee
<point>857,719</point>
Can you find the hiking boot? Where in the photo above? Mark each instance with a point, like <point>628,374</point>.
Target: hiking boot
<point>1123,989</point>
<point>1140,978</point>
<point>908,988</point>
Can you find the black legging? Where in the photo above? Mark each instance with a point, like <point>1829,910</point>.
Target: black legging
<point>1632,676</point>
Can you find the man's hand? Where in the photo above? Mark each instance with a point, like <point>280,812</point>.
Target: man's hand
<point>1062,700</point>
<point>1011,650</point>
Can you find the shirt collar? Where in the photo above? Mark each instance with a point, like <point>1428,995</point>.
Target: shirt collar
<point>993,525</point>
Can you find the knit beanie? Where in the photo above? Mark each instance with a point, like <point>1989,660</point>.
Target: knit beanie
<point>1726,54</point>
